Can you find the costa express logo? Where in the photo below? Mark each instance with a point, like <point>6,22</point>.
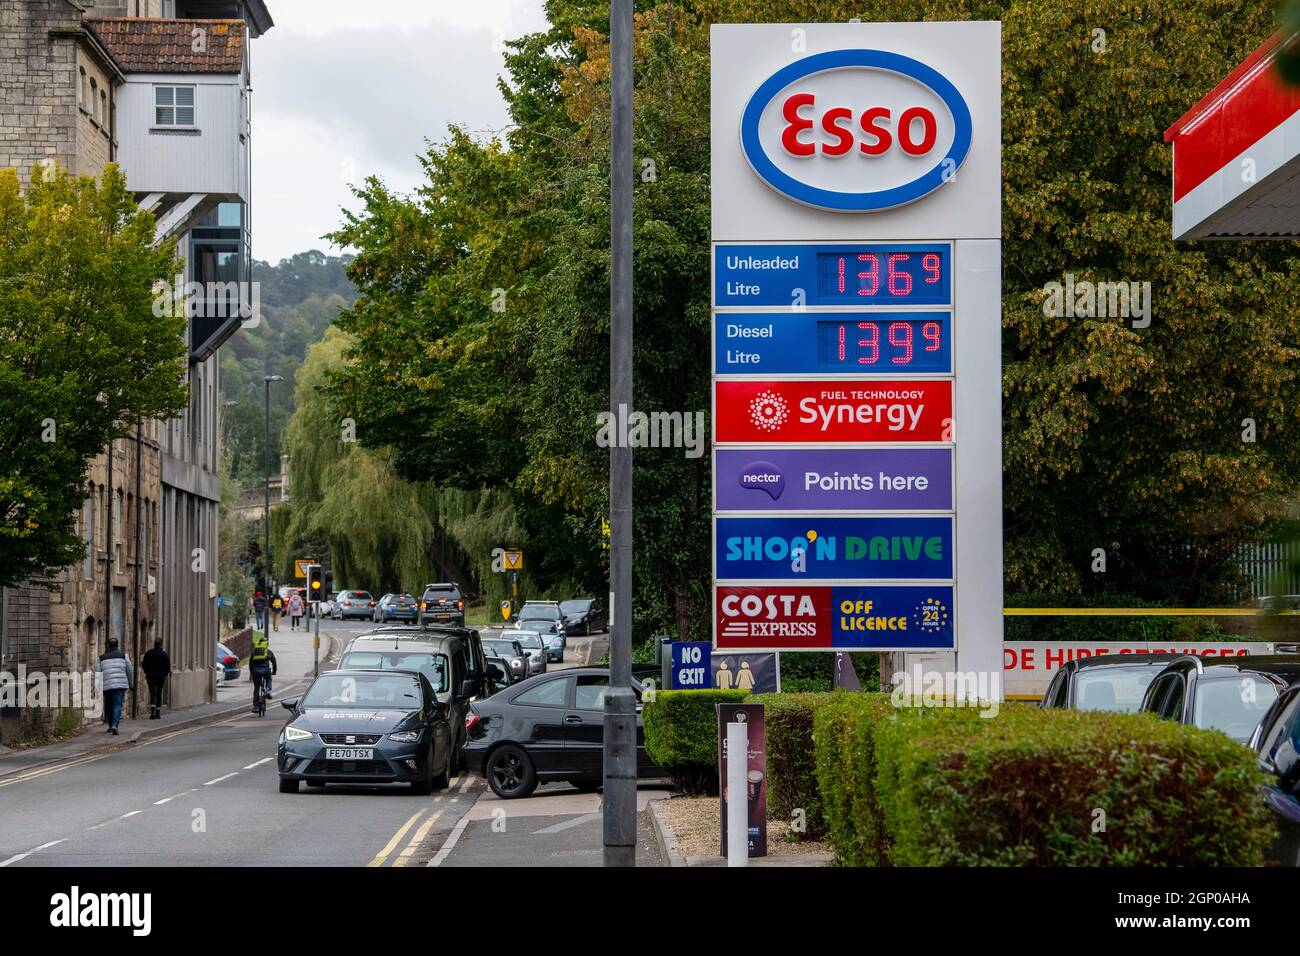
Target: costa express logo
<point>819,411</point>
<point>891,126</point>
<point>833,617</point>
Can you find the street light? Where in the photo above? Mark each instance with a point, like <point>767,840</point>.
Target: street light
<point>266,487</point>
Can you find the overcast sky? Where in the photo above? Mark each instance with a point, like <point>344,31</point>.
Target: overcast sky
<point>345,89</point>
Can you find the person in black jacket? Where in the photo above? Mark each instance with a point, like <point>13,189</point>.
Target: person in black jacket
<point>156,665</point>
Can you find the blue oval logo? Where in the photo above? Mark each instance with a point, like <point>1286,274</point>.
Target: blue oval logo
<point>879,139</point>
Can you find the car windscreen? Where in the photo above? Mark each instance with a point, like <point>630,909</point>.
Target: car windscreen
<point>500,648</point>
<point>1113,688</point>
<point>432,666</point>
<point>529,639</point>
<point>394,691</point>
<point>540,613</point>
<point>574,607</point>
<point>1234,706</point>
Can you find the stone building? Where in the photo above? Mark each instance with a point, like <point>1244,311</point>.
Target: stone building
<point>162,88</point>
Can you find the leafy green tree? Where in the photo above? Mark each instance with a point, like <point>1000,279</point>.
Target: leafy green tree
<point>82,352</point>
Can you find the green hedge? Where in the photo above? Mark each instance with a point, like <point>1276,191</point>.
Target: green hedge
<point>792,758</point>
<point>1028,787</point>
<point>843,730</point>
<point>681,734</point>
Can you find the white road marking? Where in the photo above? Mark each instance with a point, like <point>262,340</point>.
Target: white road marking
<point>219,779</point>
<point>568,824</point>
<point>131,814</point>
<point>258,763</point>
<point>450,845</point>
<point>159,803</point>
<point>23,856</point>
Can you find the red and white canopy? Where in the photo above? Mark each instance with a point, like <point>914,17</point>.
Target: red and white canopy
<point>1237,156</point>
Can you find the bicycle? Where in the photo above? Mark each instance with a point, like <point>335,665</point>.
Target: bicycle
<point>259,698</point>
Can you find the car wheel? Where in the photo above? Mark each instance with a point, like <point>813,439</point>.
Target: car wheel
<point>424,786</point>
<point>443,780</point>
<point>288,786</point>
<point>510,772</point>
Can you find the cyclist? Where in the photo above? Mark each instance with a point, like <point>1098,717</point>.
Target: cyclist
<point>261,667</point>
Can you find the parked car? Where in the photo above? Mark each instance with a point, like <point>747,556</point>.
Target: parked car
<point>358,604</point>
<point>498,675</point>
<point>1277,743</point>
<point>442,604</point>
<point>367,726</point>
<point>542,616</point>
<point>555,648</point>
<point>535,647</point>
<point>583,616</point>
<point>1106,682</point>
<point>228,661</point>
<point>452,658</point>
<point>1231,695</point>
<point>396,607</point>
<point>550,727</point>
<point>509,651</point>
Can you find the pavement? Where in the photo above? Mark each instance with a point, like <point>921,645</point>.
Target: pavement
<point>294,661</point>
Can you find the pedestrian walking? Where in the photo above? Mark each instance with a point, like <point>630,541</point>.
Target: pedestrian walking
<point>295,611</point>
<point>277,605</point>
<point>156,666</point>
<point>259,607</point>
<point>116,678</point>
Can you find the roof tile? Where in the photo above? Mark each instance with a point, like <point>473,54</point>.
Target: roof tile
<point>144,45</point>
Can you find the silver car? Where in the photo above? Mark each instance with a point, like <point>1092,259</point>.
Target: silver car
<point>534,647</point>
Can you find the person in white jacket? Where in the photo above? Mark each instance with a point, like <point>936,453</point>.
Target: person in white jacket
<point>116,678</point>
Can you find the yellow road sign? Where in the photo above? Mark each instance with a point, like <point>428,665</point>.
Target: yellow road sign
<point>301,565</point>
<point>513,560</point>
<point>505,610</point>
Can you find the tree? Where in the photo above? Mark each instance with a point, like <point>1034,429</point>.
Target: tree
<point>482,324</point>
<point>83,353</point>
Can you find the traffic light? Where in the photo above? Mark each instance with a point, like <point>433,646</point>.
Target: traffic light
<point>315,583</point>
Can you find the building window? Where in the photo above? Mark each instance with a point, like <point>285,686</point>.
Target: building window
<point>94,100</point>
<point>174,106</point>
<point>81,87</point>
<point>103,107</point>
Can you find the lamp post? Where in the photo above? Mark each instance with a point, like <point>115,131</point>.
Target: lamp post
<point>266,487</point>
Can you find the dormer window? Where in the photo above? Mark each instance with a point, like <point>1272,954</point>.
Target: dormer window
<point>174,106</point>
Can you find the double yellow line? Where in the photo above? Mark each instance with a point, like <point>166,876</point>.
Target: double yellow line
<point>420,835</point>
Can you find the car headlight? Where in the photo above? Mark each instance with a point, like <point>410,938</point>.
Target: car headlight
<point>405,736</point>
<point>295,733</point>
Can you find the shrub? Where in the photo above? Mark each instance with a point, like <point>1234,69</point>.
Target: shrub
<point>791,759</point>
<point>1027,789</point>
<point>813,671</point>
<point>681,735</point>
<point>844,753</point>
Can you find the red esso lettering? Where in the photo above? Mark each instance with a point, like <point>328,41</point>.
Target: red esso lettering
<point>916,132</point>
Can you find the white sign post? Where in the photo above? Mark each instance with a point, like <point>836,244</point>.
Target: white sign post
<point>857,222</point>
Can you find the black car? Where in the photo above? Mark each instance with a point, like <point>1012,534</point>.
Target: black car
<point>1105,682</point>
<point>583,616</point>
<point>451,658</point>
<point>1227,694</point>
<point>442,604</point>
<point>367,727</point>
<point>509,651</point>
<point>1277,742</point>
<point>498,676</point>
<point>549,727</point>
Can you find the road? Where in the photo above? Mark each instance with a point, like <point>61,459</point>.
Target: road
<point>207,795</point>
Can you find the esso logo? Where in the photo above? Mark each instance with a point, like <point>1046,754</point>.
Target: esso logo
<point>856,130</point>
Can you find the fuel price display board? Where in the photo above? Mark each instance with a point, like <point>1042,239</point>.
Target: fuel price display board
<point>865,274</point>
<point>856,341</point>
